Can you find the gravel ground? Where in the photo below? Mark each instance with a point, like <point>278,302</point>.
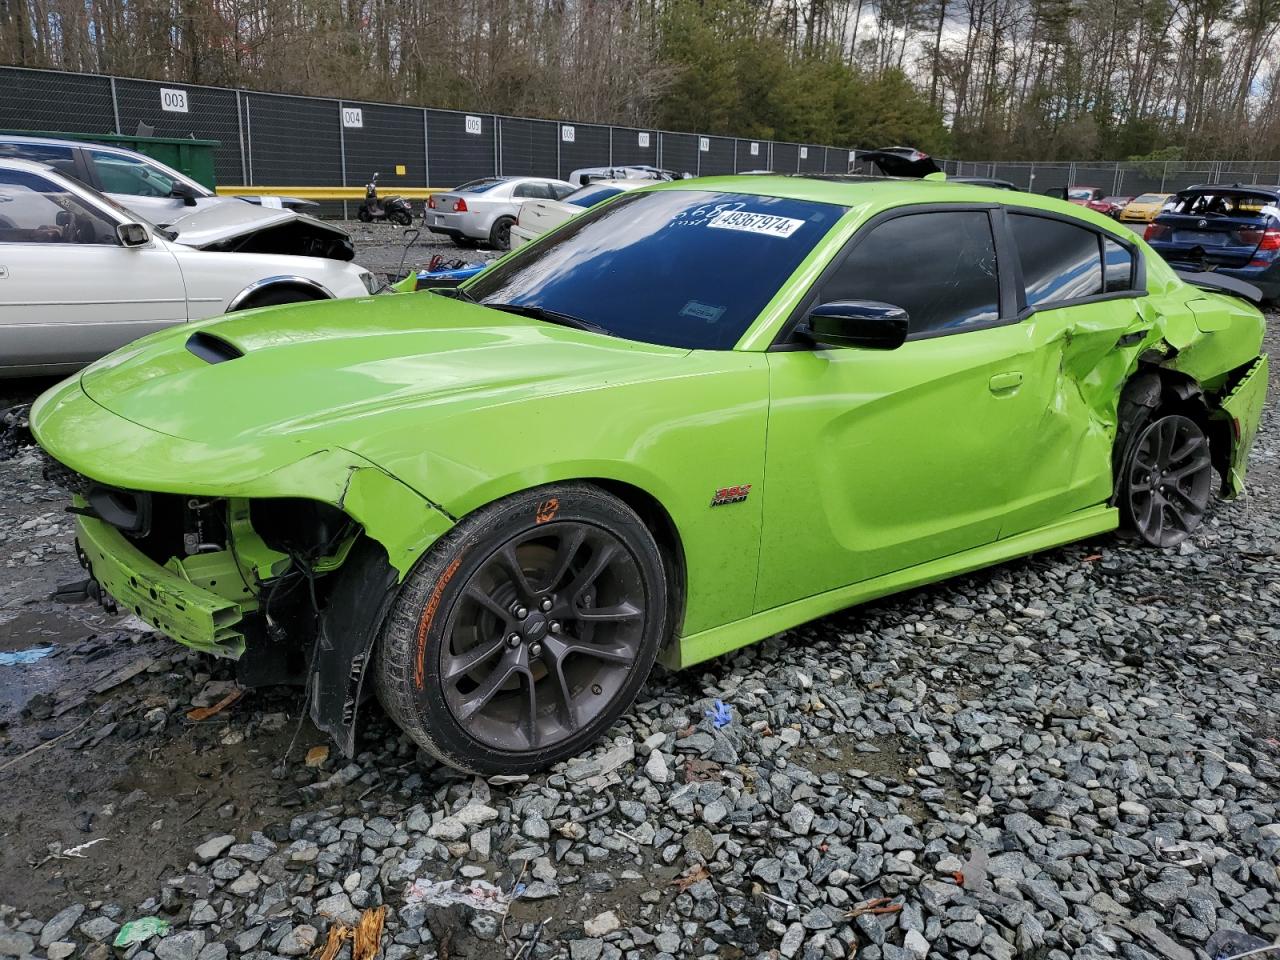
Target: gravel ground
<point>1074,755</point>
<point>387,249</point>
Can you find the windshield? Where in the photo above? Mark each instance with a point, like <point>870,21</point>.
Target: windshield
<point>590,196</point>
<point>478,186</point>
<point>1085,194</point>
<point>682,268</point>
<point>1149,198</point>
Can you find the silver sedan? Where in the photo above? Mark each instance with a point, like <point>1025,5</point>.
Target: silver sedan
<point>483,211</point>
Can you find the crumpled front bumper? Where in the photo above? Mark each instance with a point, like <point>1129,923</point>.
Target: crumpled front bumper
<point>192,615</point>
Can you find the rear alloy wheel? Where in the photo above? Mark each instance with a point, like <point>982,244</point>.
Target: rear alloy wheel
<point>500,234</point>
<point>1167,480</point>
<point>521,636</point>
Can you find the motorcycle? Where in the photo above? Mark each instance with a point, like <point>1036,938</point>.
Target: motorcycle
<point>395,209</point>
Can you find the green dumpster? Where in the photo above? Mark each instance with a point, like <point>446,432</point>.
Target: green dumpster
<point>192,157</point>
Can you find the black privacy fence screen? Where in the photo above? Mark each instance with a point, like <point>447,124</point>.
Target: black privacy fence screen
<point>281,140</point>
<point>269,139</point>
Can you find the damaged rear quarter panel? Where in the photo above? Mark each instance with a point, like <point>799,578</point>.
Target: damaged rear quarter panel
<point>1079,358</point>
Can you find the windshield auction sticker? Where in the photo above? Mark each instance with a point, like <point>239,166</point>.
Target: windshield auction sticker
<point>749,222</point>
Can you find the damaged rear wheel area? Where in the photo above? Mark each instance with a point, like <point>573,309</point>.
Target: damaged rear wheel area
<point>1167,480</point>
<point>1173,438</point>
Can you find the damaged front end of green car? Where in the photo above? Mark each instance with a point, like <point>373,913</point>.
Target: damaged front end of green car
<point>242,574</point>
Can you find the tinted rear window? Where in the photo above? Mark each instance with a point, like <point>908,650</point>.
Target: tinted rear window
<point>1119,267</point>
<point>683,268</point>
<point>39,152</point>
<point>1059,261</point>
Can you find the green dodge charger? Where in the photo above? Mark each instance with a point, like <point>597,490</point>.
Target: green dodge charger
<point>693,416</point>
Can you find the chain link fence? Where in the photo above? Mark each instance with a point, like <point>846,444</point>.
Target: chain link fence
<point>281,140</point>
<point>1120,178</point>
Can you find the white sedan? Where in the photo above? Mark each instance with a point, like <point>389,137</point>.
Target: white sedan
<point>536,217</point>
<point>81,276</point>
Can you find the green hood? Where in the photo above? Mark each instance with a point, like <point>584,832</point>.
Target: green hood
<point>292,369</point>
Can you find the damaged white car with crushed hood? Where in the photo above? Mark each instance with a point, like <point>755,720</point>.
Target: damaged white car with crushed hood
<point>80,275</point>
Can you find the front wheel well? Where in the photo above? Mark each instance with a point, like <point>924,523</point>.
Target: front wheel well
<point>273,291</point>
<point>667,536</point>
<point>659,524</point>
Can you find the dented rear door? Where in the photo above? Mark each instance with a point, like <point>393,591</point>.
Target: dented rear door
<point>1088,317</point>
<point>1078,358</point>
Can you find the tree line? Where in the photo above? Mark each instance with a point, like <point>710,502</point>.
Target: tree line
<point>974,79</point>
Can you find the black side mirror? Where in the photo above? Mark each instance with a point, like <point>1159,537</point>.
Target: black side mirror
<point>858,323</point>
<point>180,189</point>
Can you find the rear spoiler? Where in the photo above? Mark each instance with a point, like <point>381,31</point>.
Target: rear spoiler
<point>1218,283</point>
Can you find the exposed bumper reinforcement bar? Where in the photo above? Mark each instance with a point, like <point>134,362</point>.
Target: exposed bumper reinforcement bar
<point>191,615</point>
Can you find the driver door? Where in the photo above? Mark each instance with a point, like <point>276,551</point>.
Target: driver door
<point>69,290</point>
<point>878,460</point>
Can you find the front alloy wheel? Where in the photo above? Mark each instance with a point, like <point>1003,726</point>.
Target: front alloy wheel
<point>1167,481</point>
<point>525,633</point>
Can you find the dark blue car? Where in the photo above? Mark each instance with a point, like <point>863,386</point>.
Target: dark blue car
<point>1231,229</point>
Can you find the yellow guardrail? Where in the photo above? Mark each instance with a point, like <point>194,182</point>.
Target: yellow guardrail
<point>330,193</point>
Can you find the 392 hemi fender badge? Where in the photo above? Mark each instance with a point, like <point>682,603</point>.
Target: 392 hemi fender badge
<point>731,495</point>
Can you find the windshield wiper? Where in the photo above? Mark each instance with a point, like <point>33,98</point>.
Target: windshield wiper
<point>550,316</point>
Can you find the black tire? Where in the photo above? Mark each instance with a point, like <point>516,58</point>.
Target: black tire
<point>402,217</point>
<point>487,691</point>
<point>500,233</point>
<point>364,216</point>
<point>1166,479</point>
<point>276,296</point>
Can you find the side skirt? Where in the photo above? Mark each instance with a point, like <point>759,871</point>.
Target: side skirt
<point>739,633</point>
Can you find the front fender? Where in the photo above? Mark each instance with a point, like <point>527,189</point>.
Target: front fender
<point>87,438</point>
<point>678,441</point>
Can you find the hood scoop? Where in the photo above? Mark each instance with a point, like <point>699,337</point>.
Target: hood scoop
<point>211,348</point>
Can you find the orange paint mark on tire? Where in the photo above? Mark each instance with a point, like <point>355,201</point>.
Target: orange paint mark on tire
<point>546,511</point>
<point>428,615</point>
